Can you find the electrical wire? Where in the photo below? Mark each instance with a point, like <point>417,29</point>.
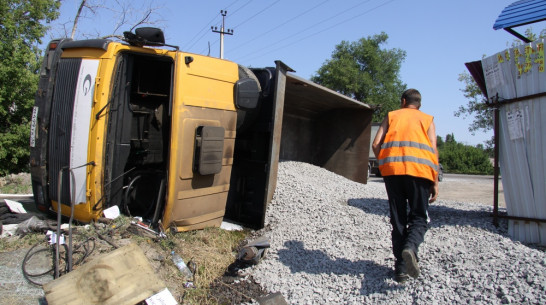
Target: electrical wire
<point>316,33</point>
<point>240,8</point>
<point>231,15</point>
<point>278,26</point>
<point>258,13</point>
<point>205,29</point>
<point>316,24</point>
<point>88,246</point>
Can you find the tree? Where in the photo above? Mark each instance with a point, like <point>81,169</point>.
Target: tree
<point>21,31</point>
<point>119,16</point>
<point>439,142</point>
<point>364,71</point>
<point>483,115</point>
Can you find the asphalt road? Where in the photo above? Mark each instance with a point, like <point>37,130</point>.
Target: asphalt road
<point>465,188</point>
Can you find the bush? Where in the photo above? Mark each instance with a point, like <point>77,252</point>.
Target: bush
<point>464,159</point>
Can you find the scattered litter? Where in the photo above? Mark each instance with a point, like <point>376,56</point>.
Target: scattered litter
<point>228,226</point>
<point>9,230</point>
<point>141,229</point>
<point>184,269</point>
<point>164,297</point>
<point>33,224</point>
<point>53,238</point>
<point>15,206</point>
<point>12,213</point>
<point>111,212</point>
<point>253,252</point>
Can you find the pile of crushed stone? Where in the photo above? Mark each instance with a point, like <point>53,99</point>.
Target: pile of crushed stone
<point>330,244</point>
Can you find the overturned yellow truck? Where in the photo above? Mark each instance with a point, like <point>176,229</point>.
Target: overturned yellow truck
<point>179,139</point>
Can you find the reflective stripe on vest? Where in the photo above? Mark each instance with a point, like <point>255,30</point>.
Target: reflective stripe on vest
<point>409,159</point>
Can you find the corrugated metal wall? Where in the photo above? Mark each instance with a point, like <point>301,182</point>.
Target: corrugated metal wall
<point>516,73</point>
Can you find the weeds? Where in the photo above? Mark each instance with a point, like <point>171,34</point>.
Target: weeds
<point>26,241</point>
<point>15,184</point>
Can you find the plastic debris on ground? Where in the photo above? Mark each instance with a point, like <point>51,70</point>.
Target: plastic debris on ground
<point>164,297</point>
<point>111,212</point>
<point>228,226</point>
<point>184,269</point>
<point>15,206</point>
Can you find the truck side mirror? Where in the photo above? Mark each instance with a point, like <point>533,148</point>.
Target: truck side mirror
<point>151,35</point>
<point>247,93</point>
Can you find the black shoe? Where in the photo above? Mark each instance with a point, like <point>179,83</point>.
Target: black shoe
<point>412,267</point>
<point>401,277</point>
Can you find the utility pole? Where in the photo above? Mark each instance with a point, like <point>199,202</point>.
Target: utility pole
<point>221,31</point>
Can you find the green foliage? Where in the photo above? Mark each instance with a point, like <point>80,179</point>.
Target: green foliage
<point>21,31</point>
<point>364,71</point>
<point>476,107</point>
<point>464,159</point>
<point>439,142</point>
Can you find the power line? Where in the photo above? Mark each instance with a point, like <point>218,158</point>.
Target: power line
<point>225,9</point>
<point>280,25</point>
<point>318,23</point>
<point>241,7</point>
<point>323,30</point>
<point>248,19</point>
<point>204,30</point>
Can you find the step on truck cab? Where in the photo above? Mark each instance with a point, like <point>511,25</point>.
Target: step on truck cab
<point>179,139</point>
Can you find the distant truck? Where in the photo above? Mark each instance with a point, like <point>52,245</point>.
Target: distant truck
<point>373,166</point>
<point>181,140</point>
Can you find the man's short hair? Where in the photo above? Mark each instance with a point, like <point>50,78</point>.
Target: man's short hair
<point>412,96</point>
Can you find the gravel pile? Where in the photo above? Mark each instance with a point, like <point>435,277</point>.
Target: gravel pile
<point>330,244</point>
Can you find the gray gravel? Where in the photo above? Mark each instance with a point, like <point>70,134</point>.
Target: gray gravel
<point>330,244</point>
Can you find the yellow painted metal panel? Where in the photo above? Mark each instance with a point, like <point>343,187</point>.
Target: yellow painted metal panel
<point>207,82</point>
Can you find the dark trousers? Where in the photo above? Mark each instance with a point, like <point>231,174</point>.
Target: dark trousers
<point>408,226</point>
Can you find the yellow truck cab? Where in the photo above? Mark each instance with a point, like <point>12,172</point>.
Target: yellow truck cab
<point>181,140</point>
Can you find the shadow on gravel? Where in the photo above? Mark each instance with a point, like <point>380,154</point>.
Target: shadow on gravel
<point>299,259</point>
<point>375,206</point>
<point>440,216</point>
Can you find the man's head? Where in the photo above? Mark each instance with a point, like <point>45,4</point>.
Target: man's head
<point>411,97</point>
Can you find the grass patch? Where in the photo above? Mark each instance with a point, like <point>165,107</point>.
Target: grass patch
<point>212,250</point>
<point>17,242</point>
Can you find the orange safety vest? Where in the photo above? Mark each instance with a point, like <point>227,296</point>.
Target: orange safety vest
<point>406,149</point>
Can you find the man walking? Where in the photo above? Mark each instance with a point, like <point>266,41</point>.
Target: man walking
<point>405,147</point>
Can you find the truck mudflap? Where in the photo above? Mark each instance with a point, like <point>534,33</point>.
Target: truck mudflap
<point>298,120</point>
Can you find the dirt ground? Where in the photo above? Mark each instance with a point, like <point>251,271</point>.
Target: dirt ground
<point>465,188</point>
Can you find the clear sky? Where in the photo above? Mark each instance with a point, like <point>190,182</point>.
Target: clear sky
<point>438,37</point>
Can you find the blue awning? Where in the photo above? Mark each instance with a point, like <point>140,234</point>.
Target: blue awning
<point>521,13</point>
